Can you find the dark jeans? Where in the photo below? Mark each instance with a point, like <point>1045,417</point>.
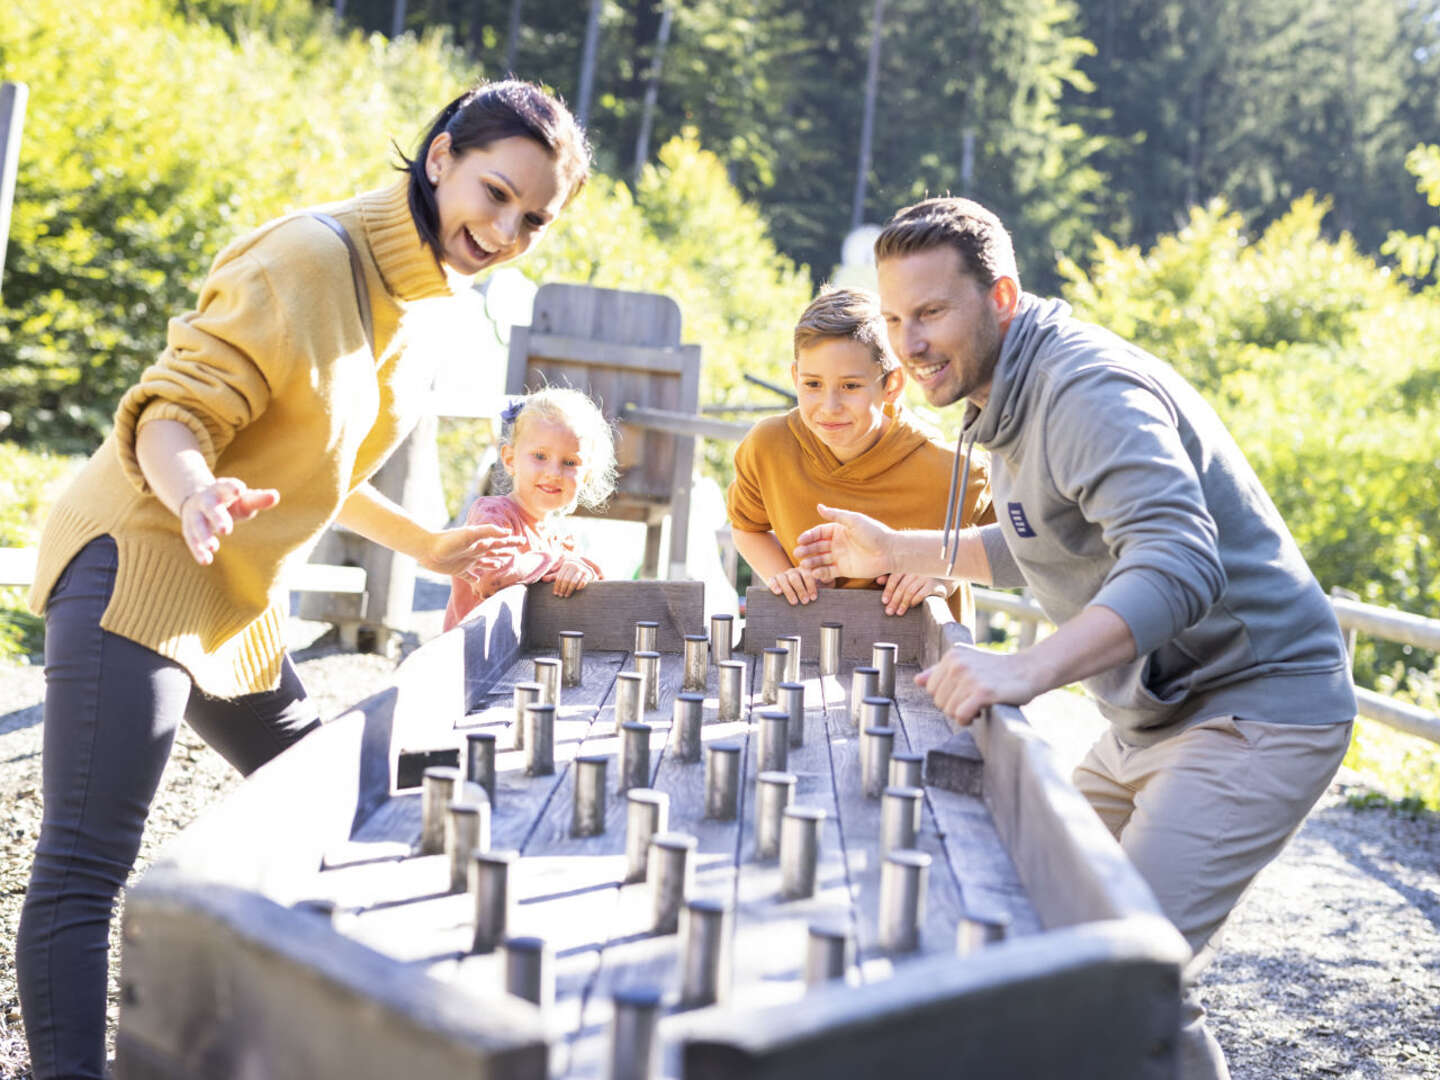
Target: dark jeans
<point>111,710</point>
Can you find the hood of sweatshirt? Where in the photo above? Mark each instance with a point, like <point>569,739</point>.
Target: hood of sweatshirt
<point>901,438</point>
<point>1002,419</point>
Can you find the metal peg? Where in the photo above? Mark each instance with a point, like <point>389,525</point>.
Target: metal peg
<point>629,699</point>
<point>799,850</point>
<point>774,740</point>
<point>634,756</point>
<point>791,644</point>
<point>722,781</point>
<point>494,905</point>
<point>864,683</point>
<point>875,761</point>
<point>648,664</point>
<point>547,674</point>
<point>539,740</point>
<point>732,690</point>
<point>480,761</point>
<point>526,694</point>
<point>647,812</point>
<point>670,871</point>
<point>467,830</point>
<point>883,655</point>
<point>687,716</point>
<point>828,953</point>
<point>976,932</point>
<point>697,662</point>
<point>831,640</point>
<point>722,636</point>
<point>903,878</point>
<point>874,712</point>
<point>530,970</point>
<point>900,809</point>
<point>572,657</point>
<point>647,636</point>
<point>633,1026</point>
<point>588,818</point>
<point>772,673</point>
<point>792,700</point>
<point>437,792</point>
<point>906,769</point>
<point>773,793</point>
<point>705,952</point>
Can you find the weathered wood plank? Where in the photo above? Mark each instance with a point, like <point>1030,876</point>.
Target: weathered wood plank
<point>606,612</point>
<point>768,616</point>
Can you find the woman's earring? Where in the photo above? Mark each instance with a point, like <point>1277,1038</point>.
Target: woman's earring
<point>434,179</point>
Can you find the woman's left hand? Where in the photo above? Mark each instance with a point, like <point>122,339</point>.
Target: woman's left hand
<point>570,575</point>
<point>460,552</point>
<point>904,591</point>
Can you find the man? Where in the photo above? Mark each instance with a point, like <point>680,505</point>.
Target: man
<point>1179,596</point>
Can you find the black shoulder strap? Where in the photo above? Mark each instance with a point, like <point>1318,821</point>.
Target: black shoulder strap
<point>362,291</point>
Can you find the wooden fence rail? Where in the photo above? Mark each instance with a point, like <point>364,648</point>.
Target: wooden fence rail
<point>1354,616</point>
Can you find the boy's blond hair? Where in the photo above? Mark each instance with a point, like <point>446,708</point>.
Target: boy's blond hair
<point>851,314</point>
<point>574,411</point>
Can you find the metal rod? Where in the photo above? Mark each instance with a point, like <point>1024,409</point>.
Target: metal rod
<point>648,664</point>
<point>526,694</point>
<point>774,740</point>
<point>722,781</point>
<point>530,970</point>
<point>874,712</point>
<point>790,643</point>
<point>697,662</point>
<point>647,636</point>
<point>832,636</point>
<point>906,770</point>
<point>633,1025</point>
<point>864,682</point>
<point>774,791</point>
<point>629,699</point>
<point>828,953</point>
<point>687,717</point>
<point>722,636</point>
<point>547,674</point>
<point>732,690</point>
<point>588,817</point>
<point>480,761</point>
<point>437,792</point>
<point>467,830</point>
<point>647,812</point>
<point>539,740</point>
<point>634,756</point>
<point>900,809</point>
<point>883,655</point>
<point>490,885</point>
<point>792,700</point>
<point>670,871</point>
<point>975,932</point>
<point>903,877</point>
<point>572,657</point>
<point>705,952</point>
<point>875,761</point>
<point>799,850</point>
<point>772,673</point>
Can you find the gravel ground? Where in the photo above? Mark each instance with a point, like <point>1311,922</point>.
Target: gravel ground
<point>1331,966</point>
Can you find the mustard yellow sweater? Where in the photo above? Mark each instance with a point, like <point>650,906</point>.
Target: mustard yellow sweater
<point>272,373</point>
<point>782,471</point>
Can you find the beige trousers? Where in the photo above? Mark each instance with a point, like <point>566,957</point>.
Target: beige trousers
<point>1200,814</point>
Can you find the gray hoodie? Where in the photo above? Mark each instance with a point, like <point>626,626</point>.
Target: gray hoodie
<point>1116,484</point>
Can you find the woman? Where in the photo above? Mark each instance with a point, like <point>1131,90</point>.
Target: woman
<point>161,569</point>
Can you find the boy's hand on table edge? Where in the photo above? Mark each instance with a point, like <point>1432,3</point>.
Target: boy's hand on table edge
<point>797,585</point>
<point>904,591</point>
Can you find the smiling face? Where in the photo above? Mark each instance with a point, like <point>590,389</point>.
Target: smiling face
<point>495,201</point>
<point>842,395</point>
<point>545,466</point>
<point>945,326</point>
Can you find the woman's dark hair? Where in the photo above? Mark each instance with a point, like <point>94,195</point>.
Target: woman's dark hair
<point>486,114</point>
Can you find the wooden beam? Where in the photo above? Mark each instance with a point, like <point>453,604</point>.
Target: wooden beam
<point>678,423</point>
<point>665,358</point>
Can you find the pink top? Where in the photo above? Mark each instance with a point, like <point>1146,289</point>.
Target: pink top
<point>539,554</point>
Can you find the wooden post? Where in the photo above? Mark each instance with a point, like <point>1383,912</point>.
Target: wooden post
<point>12,121</point>
<point>587,64</point>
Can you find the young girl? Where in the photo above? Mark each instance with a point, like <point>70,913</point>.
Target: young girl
<point>847,443</point>
<point>558,450</point>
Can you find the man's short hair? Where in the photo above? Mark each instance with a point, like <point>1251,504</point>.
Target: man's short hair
<point>975,232</point>
<point>852,314</point>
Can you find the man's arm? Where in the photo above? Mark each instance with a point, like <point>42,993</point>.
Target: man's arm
<point>853,545</point>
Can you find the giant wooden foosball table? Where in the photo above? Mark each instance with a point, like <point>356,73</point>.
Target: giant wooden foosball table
<point>599,836</point>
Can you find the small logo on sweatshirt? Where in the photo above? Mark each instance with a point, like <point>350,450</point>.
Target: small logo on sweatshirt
<point>1019,520</point>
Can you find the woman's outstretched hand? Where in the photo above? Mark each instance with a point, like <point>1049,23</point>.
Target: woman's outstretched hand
<point>847,545</point>
<point>210,512</point>
<point>466,551</point>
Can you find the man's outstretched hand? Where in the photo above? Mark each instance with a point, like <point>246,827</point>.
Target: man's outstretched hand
<point>847,545</point>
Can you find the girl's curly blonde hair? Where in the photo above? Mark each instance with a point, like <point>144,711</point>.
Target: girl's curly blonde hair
<point>575,412</point>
